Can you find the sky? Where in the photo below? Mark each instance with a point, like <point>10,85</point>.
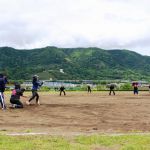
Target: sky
<point>107,24</point>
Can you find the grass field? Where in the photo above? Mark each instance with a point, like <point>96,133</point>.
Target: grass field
<point>94,142</point>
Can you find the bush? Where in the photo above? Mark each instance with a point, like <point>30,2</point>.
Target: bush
<point>100,87</point>
<point>45,88</point>
<point>126,86</point>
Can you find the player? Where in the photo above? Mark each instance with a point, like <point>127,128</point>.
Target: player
<point>36,85</point>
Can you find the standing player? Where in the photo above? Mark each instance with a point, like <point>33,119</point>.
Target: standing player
<point>89,89</point>
<point>135,88</point>
<point>112,87</point>
<point>36,84</point>
<point>62,89</point>
<point>3,81</point>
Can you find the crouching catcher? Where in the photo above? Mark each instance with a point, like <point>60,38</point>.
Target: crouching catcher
<point>15,96</point>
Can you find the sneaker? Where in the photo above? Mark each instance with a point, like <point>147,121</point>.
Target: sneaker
<point>27,102</point>
<point>12,106</point>
<point>38,102</point>
<point>4,108</point>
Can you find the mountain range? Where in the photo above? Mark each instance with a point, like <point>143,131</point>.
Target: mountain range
<point>75,64</point>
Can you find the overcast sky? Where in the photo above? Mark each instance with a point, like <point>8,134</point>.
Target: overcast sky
<point>107,24</point>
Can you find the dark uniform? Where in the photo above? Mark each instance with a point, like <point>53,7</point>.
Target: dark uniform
<point>36,84</point>
<point>15,97</point>
<point>89,89</point>
<point>62,89</point>
<point>112,87</point>
<point>3,81</point>
<point>135,89</point>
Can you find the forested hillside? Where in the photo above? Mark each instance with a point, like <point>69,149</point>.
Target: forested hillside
<point>77,63</point>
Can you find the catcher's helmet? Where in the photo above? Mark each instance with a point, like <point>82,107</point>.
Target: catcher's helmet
<point>17,86</point>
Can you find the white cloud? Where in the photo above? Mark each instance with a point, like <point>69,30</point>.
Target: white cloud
<point>76,23</point>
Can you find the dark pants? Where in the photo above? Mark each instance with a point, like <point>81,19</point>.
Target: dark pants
<point>63,92</point>
<point>89,90</point>
<point>34,95</point>
<point>2,100</point>
<point>17,103</point>
<point>135,92</point>
<point>112,90</point>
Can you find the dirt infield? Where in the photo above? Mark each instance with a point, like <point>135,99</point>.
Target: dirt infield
<point>80,112</point>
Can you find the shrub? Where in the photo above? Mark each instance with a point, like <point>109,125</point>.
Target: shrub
<point>126,86</point>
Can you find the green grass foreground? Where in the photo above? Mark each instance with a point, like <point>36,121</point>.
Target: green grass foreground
<point>94,142</point>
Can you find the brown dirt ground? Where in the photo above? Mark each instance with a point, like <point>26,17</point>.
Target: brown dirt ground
<point>80,112</point>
